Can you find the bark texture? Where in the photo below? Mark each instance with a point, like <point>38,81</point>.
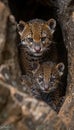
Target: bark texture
<point>20,110</point>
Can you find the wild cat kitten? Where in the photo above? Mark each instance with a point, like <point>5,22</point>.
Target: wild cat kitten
<point>48,76</point>
<point>36,43</point>
<point>48,83</point>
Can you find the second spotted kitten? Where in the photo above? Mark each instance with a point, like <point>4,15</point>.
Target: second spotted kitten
<point>48,83</point>
<point>48,76</point>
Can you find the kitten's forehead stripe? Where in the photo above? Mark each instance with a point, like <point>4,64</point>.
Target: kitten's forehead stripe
<point>36,29</point>
<point>47,72</point>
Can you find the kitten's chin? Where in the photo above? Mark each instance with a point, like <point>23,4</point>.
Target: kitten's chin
<point>35,53</point>
<point>49,90</point>
<point>45,91</point>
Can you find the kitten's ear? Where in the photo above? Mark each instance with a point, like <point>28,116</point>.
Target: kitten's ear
<point>60,67</point>
<point>52,24</point>
<point>20,27</point>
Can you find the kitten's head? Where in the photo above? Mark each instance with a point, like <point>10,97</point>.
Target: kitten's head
<point>48,79</point>
<point>36,35</point>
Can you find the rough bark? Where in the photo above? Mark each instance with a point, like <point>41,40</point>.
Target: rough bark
<point>20,110</point>
<point>66,19</point>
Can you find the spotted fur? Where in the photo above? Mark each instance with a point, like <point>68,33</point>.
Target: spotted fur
<point>36,43</point>
<point>48,76</point>
<point>49,83</point>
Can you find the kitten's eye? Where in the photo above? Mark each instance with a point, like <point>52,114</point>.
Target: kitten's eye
<point>52,79</point>
<point>30,39</point>
<point>43,39</point>
<point>22,42</point>
<point>40,79</point>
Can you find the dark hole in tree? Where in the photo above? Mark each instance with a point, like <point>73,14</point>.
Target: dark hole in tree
<point>30,9</point>
<point>71,3</point>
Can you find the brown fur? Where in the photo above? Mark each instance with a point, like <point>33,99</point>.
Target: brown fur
<point>36,43</point>
<point>49,83</point>
<point>48,76</point>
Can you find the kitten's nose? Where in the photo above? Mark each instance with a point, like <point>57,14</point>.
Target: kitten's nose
<point>46,87</point>
<point>37,48</point>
